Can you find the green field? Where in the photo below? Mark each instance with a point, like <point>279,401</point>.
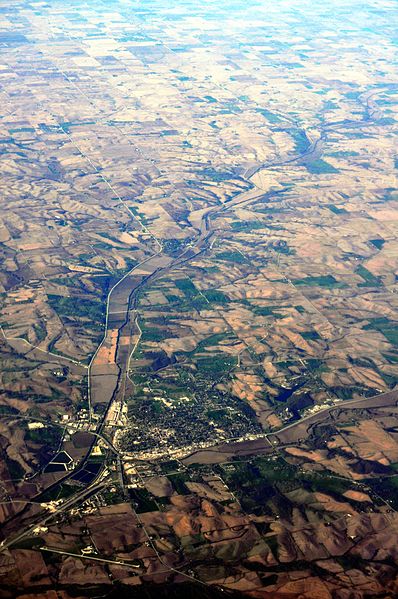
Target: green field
<point>327,281</point>
<point>320,167</point>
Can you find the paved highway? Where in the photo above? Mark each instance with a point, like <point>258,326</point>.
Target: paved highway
<point>122,299</point>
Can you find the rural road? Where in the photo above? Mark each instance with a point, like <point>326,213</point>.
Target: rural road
<point>107,372</point>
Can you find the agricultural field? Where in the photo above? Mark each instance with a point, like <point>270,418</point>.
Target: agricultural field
<point>305,518</point>
<point>198,299</point>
